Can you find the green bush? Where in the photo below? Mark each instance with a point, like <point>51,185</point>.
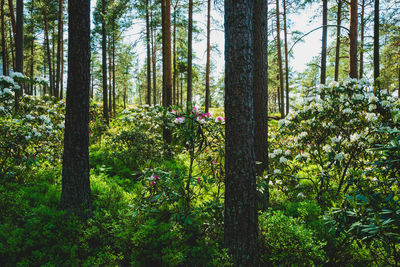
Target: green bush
<point>285,241</point>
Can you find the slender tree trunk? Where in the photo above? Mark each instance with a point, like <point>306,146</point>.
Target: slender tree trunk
<point>19,48</point>
<point>153,57</point>
<point>207,100</point>
<point>91,80</point>
<point>278,39</point>
<point>240,220</point>
<point>59,44</point>
<point>125,98</point>
<point>174,91</point>
<point>3,40</point>
<point>324,40</point>
<point>62,70</point>
<point>353,39</point>
<point>337,54</point>
<point>166,54</point>
<point>148,99</point>
<point>47,40</point>
<point>12,46</point>
<point>113,70</point>
<point>376,44</point>
<point>104,61</point>
<point>189,99</point>
<point>287,57</point>
<point>260,84</point>
<point>12,16</point>
<point>53,62</point>
<point>362,26</point>
<point>32,62</point>
<point>76,194</point>
<point>110,76</point>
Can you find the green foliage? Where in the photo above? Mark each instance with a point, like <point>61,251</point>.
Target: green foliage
<point>287,242</point>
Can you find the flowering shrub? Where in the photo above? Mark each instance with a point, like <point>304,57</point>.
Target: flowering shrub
<point>327,136</point>
<point>34,133</point>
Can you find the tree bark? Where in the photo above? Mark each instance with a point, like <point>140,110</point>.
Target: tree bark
<point>148,98</point>
<point>12,16</point>
<point>62,70</point>
<point>47,41</point>
<point>278,40</point>
<point>59,44</point>
<point>362,26</point>
<point>153,57</point>
<point>337,53</point>
<point>3,40</point>
<point>241,222</point>
<point>104,61</point>
<point>76,194</point>
<point>376,44</point>
<point>12,45</point>
<point>207,100</point>
<point>113,70</point>
<point>166,53</point>
<point>19,48</point>
<point>189,99</point>
<point>286,56</point>
<point>324,40</point>
<point>174,91</point>
<point>353,39</point>
<point>260,84</point>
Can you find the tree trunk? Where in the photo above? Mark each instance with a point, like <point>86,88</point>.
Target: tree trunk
<point>59,44</point>
<point>189,99</point>
<point>4,56</point>
<point>174,90</point>
<point>113,70</point>
<point>260,85</point>
<point>47,40</point>
<point>153,57</point>
<point>324,40</point>
<point>12,16</point>
<point>240,220</point>
<point>32,62</point>
<point>12,45</point>
<point>337,54</point>
<point>19,48</point>
<point>76,194</point>
<point>166,54</point>
<point>62,70</point>
<point>278,39</point>
<point>353,39</point>
<point>104,61</point>
<point>376,44</point>
<point>362,26</point>
<point>148,99</point>
<point>207,100</point>
<point>286,57</point>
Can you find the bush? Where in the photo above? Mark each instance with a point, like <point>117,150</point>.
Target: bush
<point>287,242</point>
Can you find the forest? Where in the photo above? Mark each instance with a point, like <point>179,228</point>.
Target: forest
<point>192,133</point>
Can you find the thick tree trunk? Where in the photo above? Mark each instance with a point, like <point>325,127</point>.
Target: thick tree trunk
<point>353,39</point>
<point>19,48</point>
<point>189,99</point>
<point>240,220</point>
<point>362,26</point>
<point>59,44</point>
<point>104,61</point>
<point>47,40</point>
<point>166,54</point>
<point>4,56</point>
<point>376,44</point>
<point>324,40</point>
<point>207,100</point>
<point>76,194</point>
<point>260,84</point>
<point>278,39</point>
<point>148,98</point>
<point>337,54</point>
<point>286,57</point>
